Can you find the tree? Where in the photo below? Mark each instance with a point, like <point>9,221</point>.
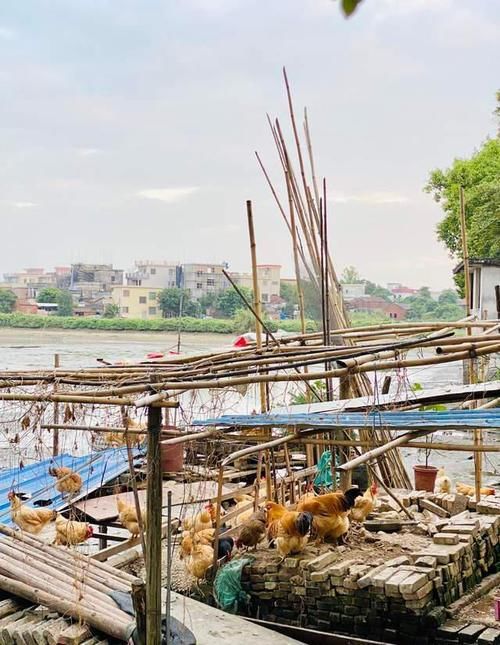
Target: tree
<point>208,301</point>
<point>350,275</point>
<point>111,310</point>
<point>49,294</point>
<point>7,301</point>
<point>64,303</point>
<point>479,177</point>
<point>229,301</point>
<point>169,301</point>
<point>289,293</point>
<point>373,289</point>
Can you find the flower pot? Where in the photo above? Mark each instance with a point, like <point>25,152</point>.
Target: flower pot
<point>172,456</point>
<point>425,477</point>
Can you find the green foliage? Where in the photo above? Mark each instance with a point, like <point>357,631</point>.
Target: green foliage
<point>111,310</point>
<point>363,318</point>
<point>373,289</point>
<point>228,301</point>
<point>185,324</point>
<point>298,398</point>
<point>207,301</point>
<point>64,303</point>
<point>479,177</point>
<point>422,306</point>
<point>350,275</point>
<point>350,6</point>
<point>169,301</point>
<point>49,294</point>
<point>290,295</point>
<point>7,301</point>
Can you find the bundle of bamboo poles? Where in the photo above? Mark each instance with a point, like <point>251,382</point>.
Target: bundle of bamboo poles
<point>65,581</point>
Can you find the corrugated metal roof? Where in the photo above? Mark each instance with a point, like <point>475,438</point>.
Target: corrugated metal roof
<point>451,419</point>
<point>34,480</point>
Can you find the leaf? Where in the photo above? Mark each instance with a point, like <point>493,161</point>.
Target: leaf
<point>349,6</point>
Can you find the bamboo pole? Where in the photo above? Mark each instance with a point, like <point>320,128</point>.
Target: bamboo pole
<point>154,504</point>
<point>55,441</point>
<point>256,296</point>
<point>218,513</point>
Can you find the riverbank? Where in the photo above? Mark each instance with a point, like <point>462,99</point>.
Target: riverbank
<point>185,324</point>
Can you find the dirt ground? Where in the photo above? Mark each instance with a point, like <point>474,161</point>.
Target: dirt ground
<point>482,610</point>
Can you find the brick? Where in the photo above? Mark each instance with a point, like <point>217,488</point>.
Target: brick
<point>380,578</point>
<point>426,561</point>
<point>430,573</point>
<point>445,538</point>
<point>367,579</point>
<point>450,629</point>
<point>433,508</point>
<point>412,583</point>
<point>395,562</point>
<point>341,568</point>
<point>420,593</point>
<point>470,633</point>
<point>490,636</point>
<point>392,584</point>
<point>322,561</point>
<point>444,553</point>
<point>319,576</point>
<point>465,529</point>
<point>358,570</point>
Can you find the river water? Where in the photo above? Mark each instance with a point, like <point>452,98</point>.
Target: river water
<point>31,349</point>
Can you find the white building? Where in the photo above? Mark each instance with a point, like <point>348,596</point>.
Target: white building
<point>351,291</point>
<point>484,287</point>
<point>156,275</point>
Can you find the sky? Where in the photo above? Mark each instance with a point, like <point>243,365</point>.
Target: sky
<point>128,128</point>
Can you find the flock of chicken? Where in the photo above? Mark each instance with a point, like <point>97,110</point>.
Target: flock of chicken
<point>443,485</point>
<point>321,517</point>
<point>68,532</point>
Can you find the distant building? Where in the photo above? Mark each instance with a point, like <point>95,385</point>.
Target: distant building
<point>161,275</point>
<point>484,286</point>
<point>374,304</point>
<point>269,279</point>
<point>351,291</point>
<point>400,291</point>
<point>36,279</point>
<point>93,281</point>
<point>136,302</point>
<point>202,279</point>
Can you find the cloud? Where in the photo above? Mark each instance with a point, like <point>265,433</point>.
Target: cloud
<point>370,198</point>
<point>23,204</point>
<point>7,34</point>
<point>169,195</point>
<point>88,152</point>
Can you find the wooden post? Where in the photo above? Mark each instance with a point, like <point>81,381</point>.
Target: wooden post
<point>478,456</point>
<point>153,560</point>
<point>55,436</point>
<point>218,509</point>
<point>256,297</point>
<point>103,543</point>
<point>139,601</point>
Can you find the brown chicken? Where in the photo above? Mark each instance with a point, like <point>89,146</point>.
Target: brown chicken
<point>470,491</point>
<point>365,504</point>
<point>127,514</point>
<point>330,513</point>
<point>31,520</point>
<point>252,531</point>
<point>197,557</point>
<point>68,482</point>
<point>69,532</point>
<point>205,536</point>
<point>288,529</point>
<point>198,522</point>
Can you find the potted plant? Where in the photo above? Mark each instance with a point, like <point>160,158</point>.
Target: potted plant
<point>425,475</point>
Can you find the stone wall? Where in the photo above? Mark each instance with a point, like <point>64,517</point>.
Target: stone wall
<point>401,600</point>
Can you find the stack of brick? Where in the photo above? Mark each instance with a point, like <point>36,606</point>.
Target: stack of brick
<point>395,600</point>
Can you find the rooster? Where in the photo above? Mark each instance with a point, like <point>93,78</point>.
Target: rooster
<point>288,529</point>
<point>68,482</point>
<point>443,482</point>
<point>198,522</point>
<point>330,513</point>
<point>69,532</point>
<point>28,519</point>
<point>364,504</point>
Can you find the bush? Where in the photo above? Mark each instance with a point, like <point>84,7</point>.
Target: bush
<point>186,324</point>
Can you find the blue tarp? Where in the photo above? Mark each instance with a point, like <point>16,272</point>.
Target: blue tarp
<point>34,480</point>
<point>403,420</point>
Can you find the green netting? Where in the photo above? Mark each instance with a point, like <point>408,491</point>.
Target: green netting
<point>228,592</point>
<point>324,477</point>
